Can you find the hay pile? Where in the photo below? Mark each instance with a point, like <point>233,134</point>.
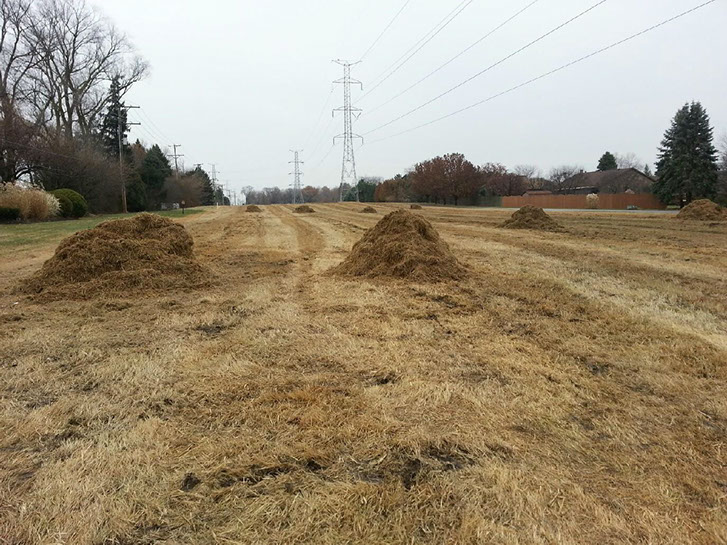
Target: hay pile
<point>531,217</point>
<point>415,207</point>
<point>402,245</point>
<point>703,210</point>
<point>304,209</point>
<point>253,208</point>
<point>127,256</point>
<point>368,210</point>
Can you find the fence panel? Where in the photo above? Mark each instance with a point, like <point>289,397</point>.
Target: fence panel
<point>619,201</point>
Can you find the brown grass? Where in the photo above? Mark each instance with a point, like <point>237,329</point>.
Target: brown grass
<point>126,256</point>
<point>569,390</point>
<point>532,217</point>
<point>703,210</point>
<point>33,204</point>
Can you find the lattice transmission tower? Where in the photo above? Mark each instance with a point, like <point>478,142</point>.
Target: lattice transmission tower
<point>348,169</point>
<point>297,191</point>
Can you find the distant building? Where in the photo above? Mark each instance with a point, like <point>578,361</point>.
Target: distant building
<point>617,180</point>
<point>533,192</point>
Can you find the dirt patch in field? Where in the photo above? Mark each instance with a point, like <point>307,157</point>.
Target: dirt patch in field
<point>146,252</point>
<point>253,208</point>
<point>402,245</point>
<point>304,209</point>
<point>415,207</point>
<point>369,210</point>
<point>532,217</point>
<point>703,210</point>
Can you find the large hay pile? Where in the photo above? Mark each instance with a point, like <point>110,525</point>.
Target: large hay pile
<point>402,245</point>
<point>304,209</point>
<point>368,210</point>
<point>531,217</point>
<point>703,210</point>
<point>145,252</point>
<point>253,208</point>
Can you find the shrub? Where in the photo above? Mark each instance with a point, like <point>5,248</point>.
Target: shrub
<point>79,206</point>
<point>54,205</point>
<point>66,206</point>
<point>33,204</point>
<point>9,214</point>
<point>592,201</point>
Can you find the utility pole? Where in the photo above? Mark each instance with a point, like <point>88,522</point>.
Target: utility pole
<point>297,192</point>
<point>348,170</point>
<point>176,165</point>
<point>120,134</point>
<point>214,182</point>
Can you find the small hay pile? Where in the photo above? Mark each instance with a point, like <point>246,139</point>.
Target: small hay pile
<point>253,208</point>
<point>531,217</point>
<point>304,209</point>
<point>368,210</point>
<point>703,210</point>
<point>127,256</point>
<point>402,245</point>
<point>415,207</point>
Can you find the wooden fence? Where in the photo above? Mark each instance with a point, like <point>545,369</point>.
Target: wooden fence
<point>619,201</point>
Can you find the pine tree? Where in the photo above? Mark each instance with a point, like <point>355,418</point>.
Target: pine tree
<point>687,166</point>
<point>647,170</point>
<point>109,131</point>
<point>208,192</point>
<point>607,162</point>
<point>154,171</point>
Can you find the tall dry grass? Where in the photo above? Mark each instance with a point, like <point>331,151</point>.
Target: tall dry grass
<point>34,204</point>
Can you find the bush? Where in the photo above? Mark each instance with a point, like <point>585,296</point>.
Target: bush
<point>592,201</point>
<point>79,206</point>
<point>54,205</point>
<point>66,206</point>
<point>8,214</point>
<point>33,204</point>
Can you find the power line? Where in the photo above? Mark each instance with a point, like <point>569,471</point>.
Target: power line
<point>481,72</point>
<point>551,72</point>
<point>155,126</point>
<point>427,38</point>
<point>385,29</point>
<point>458,55</point>
<point>320,116</point>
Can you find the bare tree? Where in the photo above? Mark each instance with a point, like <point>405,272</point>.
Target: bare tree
<point>527,171</point>
<point>17,59</point>
<point>723,151</point>
<point>80,53</point>
<point>628,160</point>
<point>562,177</point>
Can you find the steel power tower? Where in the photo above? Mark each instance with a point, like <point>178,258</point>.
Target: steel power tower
<point>348,170</point>
<point>297,192</point>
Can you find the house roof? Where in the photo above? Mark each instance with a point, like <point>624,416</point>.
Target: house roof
<point>622,178</point>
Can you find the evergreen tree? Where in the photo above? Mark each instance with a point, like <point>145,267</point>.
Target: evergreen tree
<point>135,192</point>
<point>208,192</point>
<point>607,162</point>
<point>154,171</point>
<point>687,166</point>
<point>647,170</point>
<point>109,131</point>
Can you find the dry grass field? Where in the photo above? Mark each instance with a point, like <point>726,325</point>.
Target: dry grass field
<point>571,390</point>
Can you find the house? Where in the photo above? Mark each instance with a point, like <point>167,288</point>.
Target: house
<point>617,180</point>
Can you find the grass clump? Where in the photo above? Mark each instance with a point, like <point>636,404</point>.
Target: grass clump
<point>402,245</point>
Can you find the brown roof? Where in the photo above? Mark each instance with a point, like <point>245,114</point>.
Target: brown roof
<point>612,181</point>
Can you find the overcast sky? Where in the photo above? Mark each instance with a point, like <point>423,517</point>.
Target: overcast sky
<point>239,83</point>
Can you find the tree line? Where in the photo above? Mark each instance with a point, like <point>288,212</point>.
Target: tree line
<point>64,71</point>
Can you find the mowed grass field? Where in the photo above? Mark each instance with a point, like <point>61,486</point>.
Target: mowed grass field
<point>572,390</point>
